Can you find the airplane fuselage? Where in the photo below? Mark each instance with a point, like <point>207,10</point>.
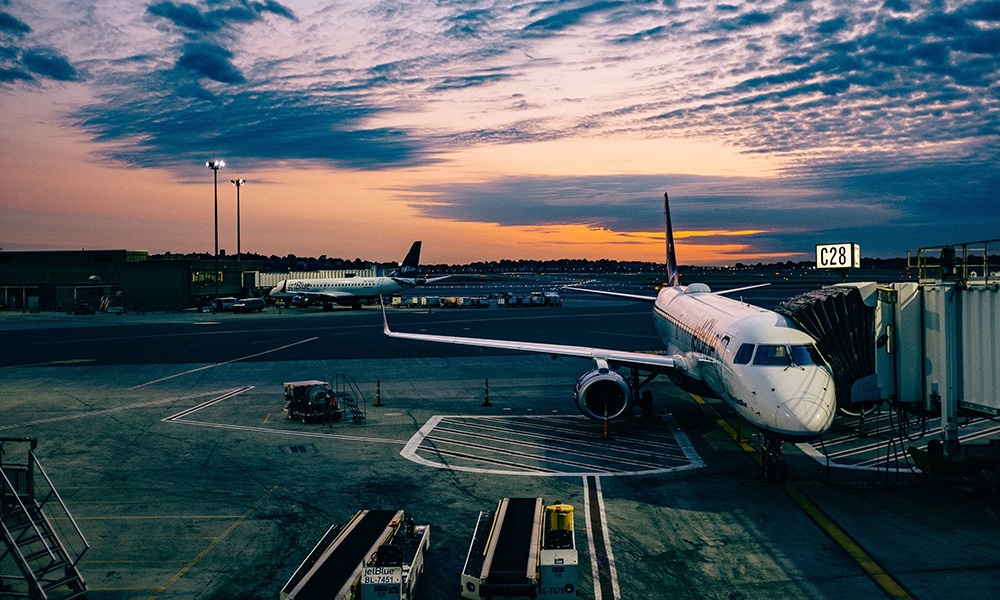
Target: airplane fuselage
<point>345,290</point>
<point>753,359</point>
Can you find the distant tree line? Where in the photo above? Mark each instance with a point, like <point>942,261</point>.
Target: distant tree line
<point>291,262</point>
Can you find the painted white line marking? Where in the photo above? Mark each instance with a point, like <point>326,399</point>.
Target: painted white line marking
<point>422,441</point>
<point>94,413</point>
<point>607,540</point>
<point>228,362</point>
<point>178,418</point>
<point>608,556</point>
<point>591,548</point>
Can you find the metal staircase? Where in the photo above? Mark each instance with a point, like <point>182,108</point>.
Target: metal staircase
<point>348,393</point>
<point>38,559</point>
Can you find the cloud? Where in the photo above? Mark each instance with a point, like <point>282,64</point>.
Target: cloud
<point>191,18</point>
<point>13,74</point>
<point>746,20</point>
<point>211,61</point>
<point>869,105</point>
<point>49,64</point>
<point>891,206</point>
<point>564,19</point>
<point>860,79</point>
<point>13,25</point>
<point>27,62</point>
<point>204,54</point>
<point>186,16</point>
<point>153,129</point>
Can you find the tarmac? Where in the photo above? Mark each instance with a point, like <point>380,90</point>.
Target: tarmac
<point>165,436</point>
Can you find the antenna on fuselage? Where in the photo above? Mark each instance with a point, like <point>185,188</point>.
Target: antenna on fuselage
<point>672,274</point>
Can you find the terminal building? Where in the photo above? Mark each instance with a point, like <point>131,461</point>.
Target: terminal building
<point>132,280</point>
<point>69,280</point>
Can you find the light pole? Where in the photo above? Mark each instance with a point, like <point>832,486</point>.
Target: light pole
<point>215,165</point>
<point>238,183</point>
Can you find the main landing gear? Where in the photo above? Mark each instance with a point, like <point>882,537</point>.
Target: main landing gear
<point>641,398</point>
<point>772,467</point>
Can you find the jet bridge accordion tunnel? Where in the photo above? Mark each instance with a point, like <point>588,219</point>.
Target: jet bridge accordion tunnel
<point>931,346</point>
<point>843,326</point>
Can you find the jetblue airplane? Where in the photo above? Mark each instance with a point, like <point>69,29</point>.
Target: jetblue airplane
<point>352,291</point>
<point>755,360</point>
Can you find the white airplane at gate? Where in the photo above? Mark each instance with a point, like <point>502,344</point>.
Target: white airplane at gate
<point>352,291</point>
<point>755,360</point>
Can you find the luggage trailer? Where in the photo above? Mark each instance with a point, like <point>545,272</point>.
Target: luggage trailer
<point>378,555</point>
<point>516,554</point>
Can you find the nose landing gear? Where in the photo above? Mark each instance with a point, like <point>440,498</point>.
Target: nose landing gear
<point>772,467</point>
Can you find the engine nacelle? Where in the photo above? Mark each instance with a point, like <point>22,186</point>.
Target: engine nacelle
<point>602,391</point>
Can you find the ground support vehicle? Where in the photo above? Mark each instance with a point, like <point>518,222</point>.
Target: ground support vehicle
<point>519,551</point>
<point>312,401</point>
<point>249,305</point>
<point>530,300</point>
<point>223,304</point>
<point>378,555</point>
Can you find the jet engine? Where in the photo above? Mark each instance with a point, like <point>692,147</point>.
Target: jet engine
<point>602,391</point>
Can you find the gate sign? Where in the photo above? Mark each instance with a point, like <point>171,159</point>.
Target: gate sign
<point>838,256</point>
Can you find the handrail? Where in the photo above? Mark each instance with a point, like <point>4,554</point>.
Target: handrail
<point>27,514</point>
<point>86,545</point>
<point>958,262</point>
<point>37,586</point>
<point>360,412</point>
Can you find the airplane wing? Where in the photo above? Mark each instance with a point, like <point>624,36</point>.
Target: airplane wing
<point>414,282</point>
<point>746,287</point>
<point>653,298</point>
<point>615,358</point>
<point>328,296</point>
<point>615,294</point>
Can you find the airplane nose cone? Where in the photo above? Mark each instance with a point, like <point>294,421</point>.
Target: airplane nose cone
<point>808,416</point>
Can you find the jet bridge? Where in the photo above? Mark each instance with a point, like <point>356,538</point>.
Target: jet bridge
<point>928,347</point>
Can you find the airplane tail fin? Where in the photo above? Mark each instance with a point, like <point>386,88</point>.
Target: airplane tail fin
<point>673,277</point>
<point>412,260</point>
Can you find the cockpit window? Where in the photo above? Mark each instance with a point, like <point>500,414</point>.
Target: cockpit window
<point>771,356</point>
<point>743,355</point>
<point>800,355</point>
<point>807,355</point>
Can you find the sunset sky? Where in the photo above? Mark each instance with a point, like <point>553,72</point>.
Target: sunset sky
<point>494,130</point>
